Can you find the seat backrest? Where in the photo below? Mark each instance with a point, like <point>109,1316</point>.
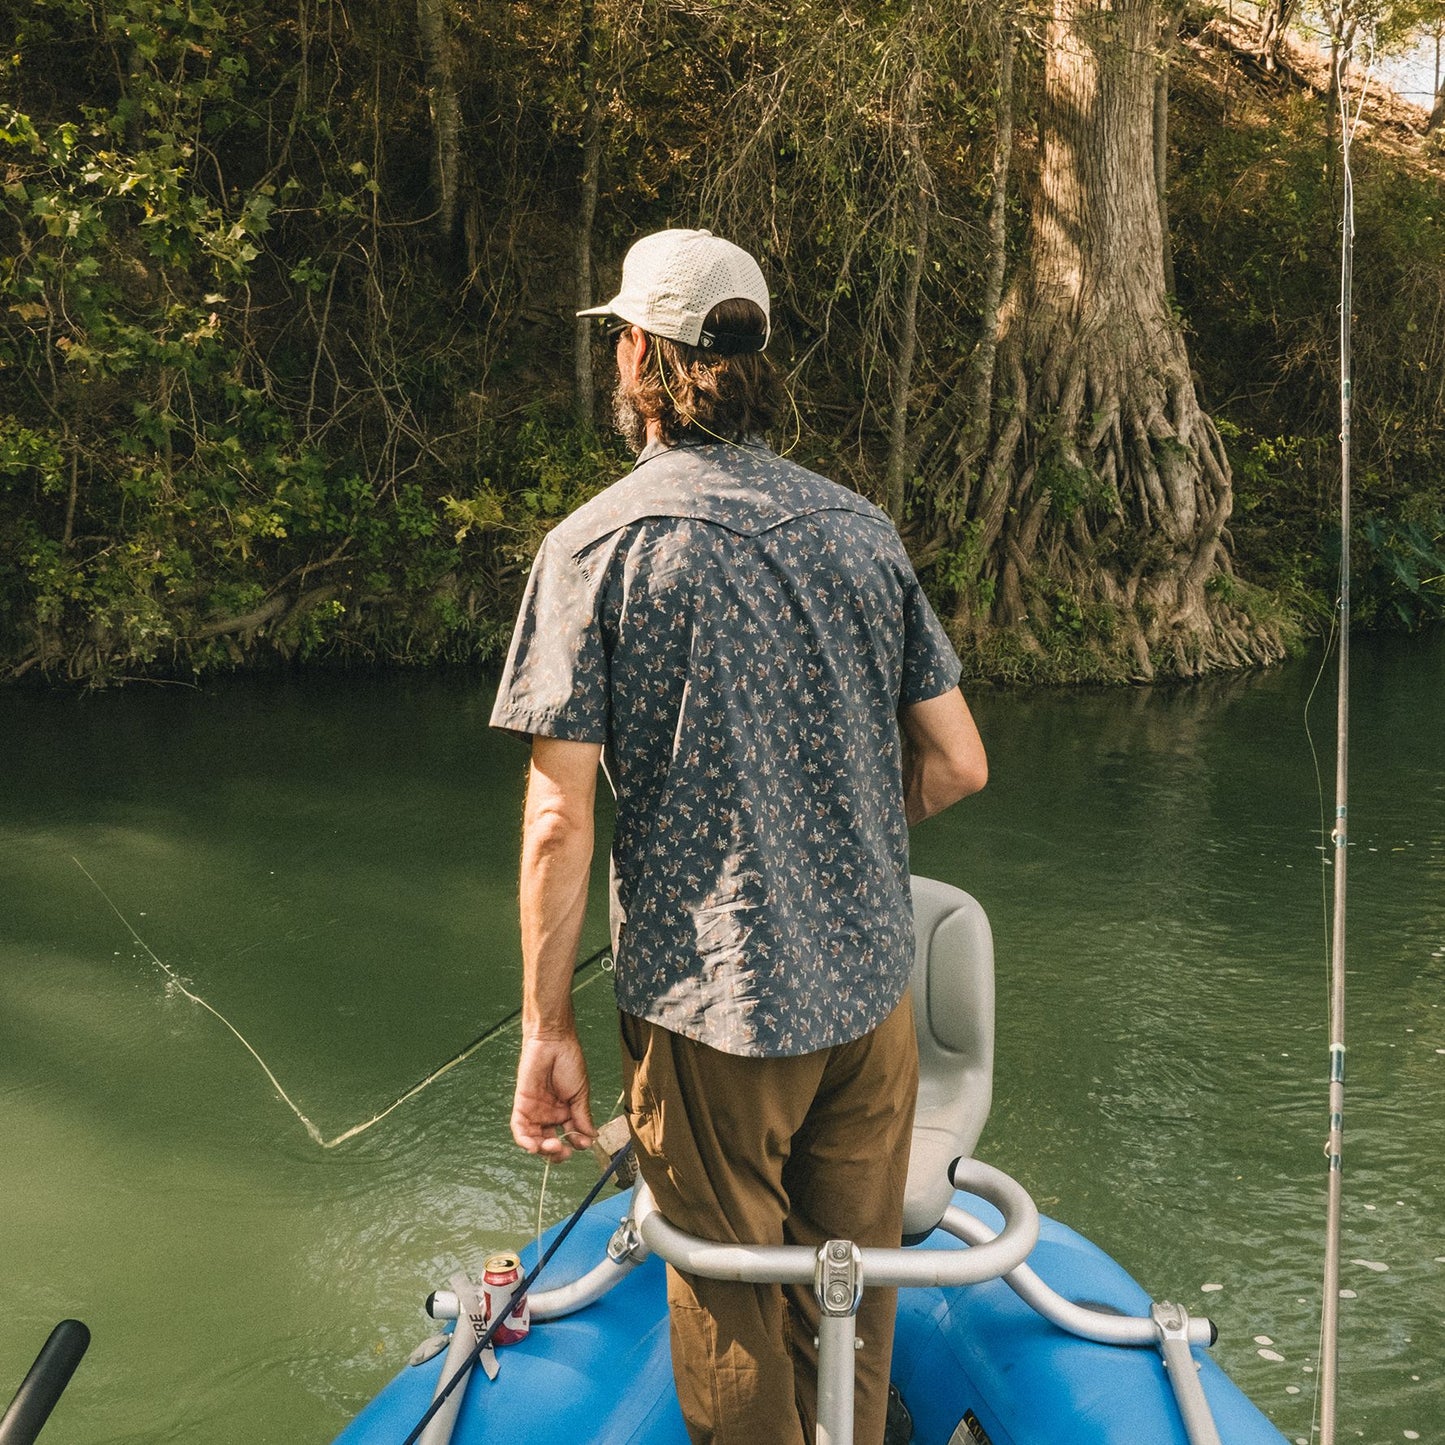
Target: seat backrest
<point>953,1014</point>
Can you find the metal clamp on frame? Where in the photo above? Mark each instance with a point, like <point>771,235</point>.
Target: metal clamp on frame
<point>626,1243</point>
<point>1172,1323</point>
<point>838,1277</point>
<point>838,1285</point>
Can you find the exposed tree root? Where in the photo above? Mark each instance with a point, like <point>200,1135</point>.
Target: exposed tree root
<point>1101,517</point>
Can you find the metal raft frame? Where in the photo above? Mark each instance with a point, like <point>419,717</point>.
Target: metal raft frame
<point>953,1004</point>
<point>840,1270</point>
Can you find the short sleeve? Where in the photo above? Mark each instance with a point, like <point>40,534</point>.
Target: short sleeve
<point>930,665</point>
<point>555,683</point>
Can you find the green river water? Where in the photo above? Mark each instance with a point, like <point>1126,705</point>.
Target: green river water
<point>329,861</point>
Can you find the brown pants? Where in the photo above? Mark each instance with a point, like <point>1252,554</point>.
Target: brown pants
<point>772,1151</point>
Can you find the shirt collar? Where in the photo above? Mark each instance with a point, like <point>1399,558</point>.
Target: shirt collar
<point>657,448</point>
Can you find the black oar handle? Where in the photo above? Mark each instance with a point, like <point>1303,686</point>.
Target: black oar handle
<point>45,1383</point>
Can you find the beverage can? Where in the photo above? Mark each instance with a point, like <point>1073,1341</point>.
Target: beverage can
<point>501,1274</point>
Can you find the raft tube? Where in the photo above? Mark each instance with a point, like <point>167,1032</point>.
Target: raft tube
<point>973,1364</point>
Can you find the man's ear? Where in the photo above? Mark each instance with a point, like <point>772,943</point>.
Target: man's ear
<point>638,354</point>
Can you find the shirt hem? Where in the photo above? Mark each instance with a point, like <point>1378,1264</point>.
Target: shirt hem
<point>929,696</point>
<point>542,725</point>
<point>700,1034</point>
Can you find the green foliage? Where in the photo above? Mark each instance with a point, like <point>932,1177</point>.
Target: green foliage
<point>1071,487</point>
<point>254,403</point>
<point>1071,645</point>
<point>959,573</point>
<point>552,468</point>
<point>1254,211</point>
<point>219,431</point>
<point>1403,567</point>
<point>556,469</point>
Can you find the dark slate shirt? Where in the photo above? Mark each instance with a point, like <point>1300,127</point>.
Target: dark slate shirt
<point>739,633</point>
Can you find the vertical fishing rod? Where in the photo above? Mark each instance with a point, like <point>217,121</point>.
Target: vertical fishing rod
<point>1334,1147</point>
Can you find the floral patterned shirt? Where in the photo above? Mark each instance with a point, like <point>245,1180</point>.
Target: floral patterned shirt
<point>739,633</point>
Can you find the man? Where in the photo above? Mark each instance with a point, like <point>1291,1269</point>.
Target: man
<point>746,649</point>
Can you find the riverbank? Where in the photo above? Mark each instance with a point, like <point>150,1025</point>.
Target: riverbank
<point>255,408</point>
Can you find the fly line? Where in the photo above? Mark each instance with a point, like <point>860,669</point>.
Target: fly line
<point>179,984</point>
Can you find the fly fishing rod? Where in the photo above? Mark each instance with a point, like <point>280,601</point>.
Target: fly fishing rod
<point>1334,1146</point>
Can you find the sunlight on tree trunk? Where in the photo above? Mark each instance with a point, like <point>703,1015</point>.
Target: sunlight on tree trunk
<point>1168,39</point>
<point>1103,505</point>
<point>1274,20</point>
<point>446,112</point>
<point>1437,115</point>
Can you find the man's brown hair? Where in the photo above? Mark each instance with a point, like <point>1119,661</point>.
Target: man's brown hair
<point>698,395</point>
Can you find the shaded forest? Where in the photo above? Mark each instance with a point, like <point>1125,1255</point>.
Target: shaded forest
<point>289,371</point>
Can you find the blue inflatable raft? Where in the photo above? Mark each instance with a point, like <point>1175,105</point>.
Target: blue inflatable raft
<point>1052,1343</point>
<point>973,1364</point>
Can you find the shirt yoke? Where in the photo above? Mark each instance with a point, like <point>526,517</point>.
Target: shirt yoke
<point>746,489</point>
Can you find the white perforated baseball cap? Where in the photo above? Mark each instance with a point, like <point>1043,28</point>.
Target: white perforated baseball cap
<point>672,279</point>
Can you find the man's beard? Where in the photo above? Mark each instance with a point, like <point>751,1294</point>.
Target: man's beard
<point>630,423</point>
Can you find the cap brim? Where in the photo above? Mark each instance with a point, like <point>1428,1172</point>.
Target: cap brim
<point>603,310</point>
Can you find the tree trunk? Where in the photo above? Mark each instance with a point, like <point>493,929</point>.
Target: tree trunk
<point>1102,508</point>
<point>584,390</point>
<point>1168,37</point>
<point>908,328</point>
<point>1273,22</point>
<point>1343,26</point>
<point>584,385</point>
<point>975,432</point>
<point>446,114</point>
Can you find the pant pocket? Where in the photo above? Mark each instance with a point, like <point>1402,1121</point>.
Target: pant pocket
<point>634,1036</point>
<point>636,1039</point>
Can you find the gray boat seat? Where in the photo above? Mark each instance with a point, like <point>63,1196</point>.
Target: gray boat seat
<point>953,1014</point>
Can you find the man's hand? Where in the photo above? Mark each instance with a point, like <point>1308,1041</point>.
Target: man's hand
<point>552,1092</point>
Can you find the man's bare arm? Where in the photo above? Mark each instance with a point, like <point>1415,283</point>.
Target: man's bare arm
<point>557,835</point>
<point>943,756</point>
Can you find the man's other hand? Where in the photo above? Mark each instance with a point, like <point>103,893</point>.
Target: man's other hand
<point>552,1093</point>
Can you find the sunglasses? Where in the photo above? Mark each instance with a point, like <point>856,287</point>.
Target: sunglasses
<point>613,327</point>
